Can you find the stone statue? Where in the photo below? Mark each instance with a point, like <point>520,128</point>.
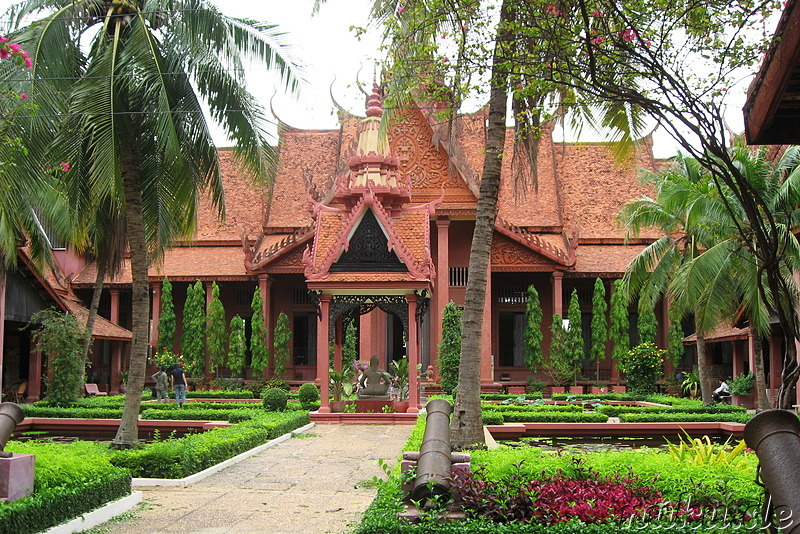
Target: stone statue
<point>374,382</point>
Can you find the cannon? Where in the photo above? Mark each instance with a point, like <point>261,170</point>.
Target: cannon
<point>774,435</point>
<point>10,416</point>
<point>433,465</point>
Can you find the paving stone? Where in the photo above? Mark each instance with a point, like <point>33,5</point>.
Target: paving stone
<point>299,486</point>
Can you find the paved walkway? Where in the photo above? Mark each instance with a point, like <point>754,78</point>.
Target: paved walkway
<point>303,485</point>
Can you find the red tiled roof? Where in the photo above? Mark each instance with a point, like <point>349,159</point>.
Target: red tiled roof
<point>721,333</point>
<point>608,259</point>
<point>182,263</point>
<point>103,328</point>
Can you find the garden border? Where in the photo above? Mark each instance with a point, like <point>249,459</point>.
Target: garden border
<point>196,477</point>
<point>98,516</point>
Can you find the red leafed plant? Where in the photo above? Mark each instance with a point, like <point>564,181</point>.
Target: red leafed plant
<point>582,495</point>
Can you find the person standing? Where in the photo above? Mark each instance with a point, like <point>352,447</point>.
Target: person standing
<point>161,385</point>
<point>178,382</point>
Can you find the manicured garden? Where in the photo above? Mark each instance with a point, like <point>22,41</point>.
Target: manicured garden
<point>74,478</point>
<point>694,486</point>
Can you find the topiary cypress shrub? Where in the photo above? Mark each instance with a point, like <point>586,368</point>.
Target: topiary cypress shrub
<point>308,394</point>
<point>275,400</point>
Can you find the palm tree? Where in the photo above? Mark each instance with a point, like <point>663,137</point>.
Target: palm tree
<point>682,195</point>
<point>140,140</point>
<point>728,279</point>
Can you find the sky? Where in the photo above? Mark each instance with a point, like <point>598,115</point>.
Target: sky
<point>334,58</point>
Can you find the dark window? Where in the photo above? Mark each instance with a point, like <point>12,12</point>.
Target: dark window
<point>512,343</point>
<point>304,338</point>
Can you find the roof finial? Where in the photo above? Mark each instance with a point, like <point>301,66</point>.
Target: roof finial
<point>375,106</point>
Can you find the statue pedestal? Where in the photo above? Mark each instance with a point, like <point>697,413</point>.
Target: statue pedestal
<point>16,477</point>
<point>372,405</point>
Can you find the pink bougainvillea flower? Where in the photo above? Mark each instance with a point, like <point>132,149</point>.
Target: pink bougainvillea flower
<point>597,40</point>
<point>28,63</point>
<point>553,10</point>
<point>4,39</point>
<point>64,166</point>
<point>597,14</point>
<point>23,95</point>
<point>401,9</point>
<point>4,53</point>
<point>445,59</point>
<point>628,35</point>
<point>14,47</point>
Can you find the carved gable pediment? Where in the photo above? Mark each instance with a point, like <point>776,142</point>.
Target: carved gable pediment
<point>508,255</point>
<point>368,250</point>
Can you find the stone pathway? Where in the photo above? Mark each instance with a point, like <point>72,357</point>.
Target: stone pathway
<point>305,485</point>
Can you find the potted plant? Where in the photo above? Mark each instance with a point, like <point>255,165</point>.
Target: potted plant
<point>400,370</point>
<point>741,388</point>
<point>691,384</point>
<point>123,381</point>
<point>341,387</point>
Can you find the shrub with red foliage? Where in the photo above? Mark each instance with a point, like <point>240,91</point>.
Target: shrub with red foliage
<point>583,495</point>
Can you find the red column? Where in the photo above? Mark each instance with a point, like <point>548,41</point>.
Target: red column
<point>558,293</point>
<point>366,345</point>
<point>413,356</point>
<point>487,363</point>
<point>35,376</point>
<point>442,286</point>
<point>265,285</point>
<point>116,355</point>
<point>156,314</point>
<point>323,378</point>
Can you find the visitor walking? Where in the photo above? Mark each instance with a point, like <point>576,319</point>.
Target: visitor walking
<point>161,385</point>
<point>178,381</point>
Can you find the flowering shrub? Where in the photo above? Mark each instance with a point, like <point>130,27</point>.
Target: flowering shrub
<point>642,366</point>
<point>164,358</point>
<point>12,51</point>
<point>582,495</point>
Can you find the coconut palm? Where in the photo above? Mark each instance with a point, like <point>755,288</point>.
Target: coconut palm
<point>140,142</point>
<point>682,198</point>
<point>728,279</point>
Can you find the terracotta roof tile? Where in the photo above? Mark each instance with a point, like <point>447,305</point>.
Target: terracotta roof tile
<point>608,259</point>
<point>103,328</point>
<point>244,205</point>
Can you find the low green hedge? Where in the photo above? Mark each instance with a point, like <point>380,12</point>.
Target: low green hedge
<point>680,417</point>
<point>71,480</point>
<point>536,408</point>
<point>195,405</point>
<point>615,411</point>
<point>511,396</point>
<point>177,458</point>
<point>218,394</point>
<point>35,410</point>
<point>492,418</point>
<point>235,415</point>
<point>530,416</point>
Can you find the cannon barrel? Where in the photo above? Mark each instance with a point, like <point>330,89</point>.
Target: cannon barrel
<point>775,437</point>
<point>433,466</point>
<point>10,416</point>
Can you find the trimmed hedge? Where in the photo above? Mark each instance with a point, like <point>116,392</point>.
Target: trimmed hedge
<point>35,410</point>
<point>678,417</point>
<point>533,407</point>
<point>614,411</point>
<point>71,480</point>
<point>219,394</point>
<point>177,458</point>
<point>509,396</point>
<point>492,418</point>
<point>235,415</point>
<point>530,416</point>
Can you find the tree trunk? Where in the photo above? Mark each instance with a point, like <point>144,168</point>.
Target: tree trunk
<point>128,432</point>
<point>762,401</point>
<point>786,395</point>
<point>90,320</point>
<point>702,369</point>
<point>467,424</point>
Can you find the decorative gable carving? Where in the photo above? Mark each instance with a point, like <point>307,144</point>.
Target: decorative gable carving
<point>368,250</point>
<point>507,255</point>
